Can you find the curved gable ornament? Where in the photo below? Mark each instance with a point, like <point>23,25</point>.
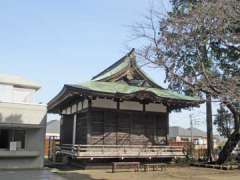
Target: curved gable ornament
<point>142,96</point>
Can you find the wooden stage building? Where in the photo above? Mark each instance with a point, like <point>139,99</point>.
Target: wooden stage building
<point>120,113</point>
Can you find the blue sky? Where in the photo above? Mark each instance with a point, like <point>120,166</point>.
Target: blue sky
<point>58,41</point>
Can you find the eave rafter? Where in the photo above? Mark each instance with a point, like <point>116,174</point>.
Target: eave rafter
<point>71,93</point>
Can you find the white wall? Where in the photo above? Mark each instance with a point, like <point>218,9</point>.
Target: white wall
<point>104,103</point>
<point>131,105</point>
<point>111,104</point>
<point>15,113</point>
<point>10,93</point>
<point>6,92</point>
<point>156,108</point>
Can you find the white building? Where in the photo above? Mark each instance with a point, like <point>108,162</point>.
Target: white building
<point>22,124</point>
<point>182,135</point>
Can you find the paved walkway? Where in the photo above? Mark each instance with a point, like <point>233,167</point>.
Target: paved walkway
<point>29,175</point>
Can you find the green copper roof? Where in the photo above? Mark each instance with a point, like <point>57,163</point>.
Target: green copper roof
<point>115,68</point>
<point>124,80</point>
<point>116,87</point>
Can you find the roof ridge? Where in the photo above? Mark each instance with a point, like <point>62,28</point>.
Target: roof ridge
<point>51,122</point>
<point>122,59</point>
<point>128,62</point>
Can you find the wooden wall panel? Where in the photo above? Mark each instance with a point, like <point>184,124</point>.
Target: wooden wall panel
<point>66,129</point>
<point>162,124</point>
<point>150,128</point>
<point>97,127</point>
<point>81,129</point>
<point>123,128</point>
<point>162,127</point>
<point>110,127</point>
<point>138,131</point>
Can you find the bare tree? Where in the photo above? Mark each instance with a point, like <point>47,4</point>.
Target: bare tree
<point>199,50</point>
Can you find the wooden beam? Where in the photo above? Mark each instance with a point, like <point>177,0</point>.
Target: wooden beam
<point>89,126</point>
<point>144,107</point>
<point>74,128</point>
<point>130,128</point>
<point>155,130</point>
<point>117,119</point>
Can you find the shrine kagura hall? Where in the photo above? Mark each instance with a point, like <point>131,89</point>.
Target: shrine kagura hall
<point>120,113</point>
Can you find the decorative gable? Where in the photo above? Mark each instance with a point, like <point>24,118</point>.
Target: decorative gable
<point>126,71</point>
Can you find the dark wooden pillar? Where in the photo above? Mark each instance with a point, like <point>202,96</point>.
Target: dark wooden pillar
<point>130,128</point>
<point>103,127</point>
<point>155,133</point>
<point>167,116</point>
<point>61,129</point>
<point>89,122</point>
<point>117,121</point>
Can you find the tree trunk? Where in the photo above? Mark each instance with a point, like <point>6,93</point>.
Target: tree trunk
<point>229,147</point>
<point>209,128</point>
<point>233,139</point>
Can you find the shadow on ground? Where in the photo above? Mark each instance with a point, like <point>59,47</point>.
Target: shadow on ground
<point>67,171</point>
<point>77,176</point>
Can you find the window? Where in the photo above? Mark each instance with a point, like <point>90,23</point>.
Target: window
<point>4,139</point>
<point>6,93</point>
<point>22,95</point>
<point>19,136</point>
<point>10,135</point>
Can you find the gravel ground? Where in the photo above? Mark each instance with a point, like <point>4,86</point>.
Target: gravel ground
<point>172,173</point>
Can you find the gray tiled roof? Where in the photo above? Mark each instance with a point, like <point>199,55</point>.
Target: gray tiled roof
<point>53,126</point>
<point>182,132</point>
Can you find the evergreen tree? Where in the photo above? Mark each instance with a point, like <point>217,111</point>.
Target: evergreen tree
<point>224,122</point>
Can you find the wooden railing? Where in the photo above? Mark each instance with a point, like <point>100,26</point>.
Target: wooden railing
<point>121,151</point>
